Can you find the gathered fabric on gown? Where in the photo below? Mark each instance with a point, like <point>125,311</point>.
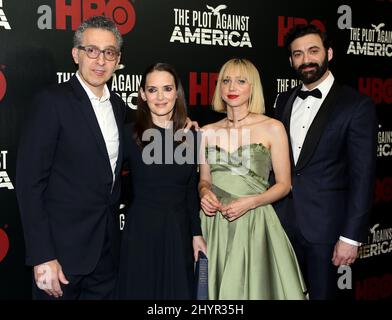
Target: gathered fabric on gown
<point>156,260</point>
<point>250,257</point>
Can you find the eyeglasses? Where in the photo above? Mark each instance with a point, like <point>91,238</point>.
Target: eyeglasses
<point>93,52</point>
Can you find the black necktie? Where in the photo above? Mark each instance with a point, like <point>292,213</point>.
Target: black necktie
<point>304,94</point>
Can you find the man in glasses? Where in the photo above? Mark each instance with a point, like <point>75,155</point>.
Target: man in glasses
<point>68,168</point>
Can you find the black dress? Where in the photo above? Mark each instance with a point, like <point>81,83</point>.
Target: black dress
<point>156,260</point>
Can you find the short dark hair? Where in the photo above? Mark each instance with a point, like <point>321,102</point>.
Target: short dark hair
<point>97,22</point>
<point>301,30</point>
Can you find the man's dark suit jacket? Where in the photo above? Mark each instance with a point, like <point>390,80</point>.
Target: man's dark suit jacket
<point>64,183</point>
<point>333,180</point>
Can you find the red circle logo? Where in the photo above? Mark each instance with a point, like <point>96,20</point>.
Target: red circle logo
<point>3,85</point>
<point>122,13</point>
<point>4,244</point>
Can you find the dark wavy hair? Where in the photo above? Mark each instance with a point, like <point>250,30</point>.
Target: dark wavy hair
<point>143,114</point>
<point>97,22</point>
<point>301,30</point>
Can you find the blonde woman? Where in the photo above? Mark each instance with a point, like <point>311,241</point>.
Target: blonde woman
<point>250,256</point>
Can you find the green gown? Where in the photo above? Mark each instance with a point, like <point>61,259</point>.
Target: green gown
<point>251,257</point>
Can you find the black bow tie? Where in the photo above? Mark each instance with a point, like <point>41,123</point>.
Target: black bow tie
<point>304,94</point>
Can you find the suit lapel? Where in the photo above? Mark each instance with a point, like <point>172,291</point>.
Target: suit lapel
<point>286,117</point>
<point>91,119</point>
<point>119,121</point>
<point>317,127</point>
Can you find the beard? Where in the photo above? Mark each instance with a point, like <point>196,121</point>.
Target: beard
<point>308,77</point>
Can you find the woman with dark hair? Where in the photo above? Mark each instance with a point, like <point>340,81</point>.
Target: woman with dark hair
<point>162,234</point>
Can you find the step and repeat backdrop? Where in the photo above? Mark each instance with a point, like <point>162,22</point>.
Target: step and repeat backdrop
<point>197,37</point>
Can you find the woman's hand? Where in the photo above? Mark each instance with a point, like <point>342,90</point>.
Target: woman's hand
<point>209,202</point>
<point>198,245</point>
<point>238,207</point>
<point>189,124</point>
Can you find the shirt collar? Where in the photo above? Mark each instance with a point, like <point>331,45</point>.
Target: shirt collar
<point>91,95</point>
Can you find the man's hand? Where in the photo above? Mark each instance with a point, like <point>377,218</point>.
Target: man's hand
<point>47,276</point>
<point>344,253</point>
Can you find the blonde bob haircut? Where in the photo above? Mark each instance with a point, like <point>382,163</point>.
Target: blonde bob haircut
<point>248,71</point>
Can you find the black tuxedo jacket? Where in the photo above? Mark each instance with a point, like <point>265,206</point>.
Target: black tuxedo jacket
<point>64,182</point>
<point>333,180</point>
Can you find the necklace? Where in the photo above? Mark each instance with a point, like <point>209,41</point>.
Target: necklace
<point>231,120</point>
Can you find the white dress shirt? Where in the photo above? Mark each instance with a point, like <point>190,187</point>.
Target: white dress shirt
<point>302,116</point>
<point>303,113</point>
<point>107,122</point>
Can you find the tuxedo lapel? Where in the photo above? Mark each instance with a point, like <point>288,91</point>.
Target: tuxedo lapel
<point>286,117</point>
<point>91,119</point>
<point>317,127</point>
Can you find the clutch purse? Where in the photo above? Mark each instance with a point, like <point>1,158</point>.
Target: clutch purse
<point>201,277</point>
